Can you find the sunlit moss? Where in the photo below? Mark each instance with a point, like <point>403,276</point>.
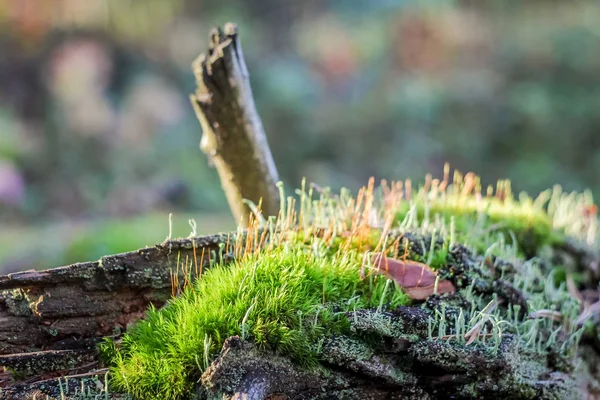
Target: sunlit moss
<point>294,279</point>
<point>281,300</point>
<point>478,217</point>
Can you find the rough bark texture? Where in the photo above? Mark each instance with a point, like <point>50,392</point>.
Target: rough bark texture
<point>243,372</point>
<point>233,137</point>
<point>51,321</point>
<point>385,364</point>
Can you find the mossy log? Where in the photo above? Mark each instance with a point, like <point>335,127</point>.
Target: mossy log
<point>63,308</point>
<point>392,355</point>
<point>52,321</point>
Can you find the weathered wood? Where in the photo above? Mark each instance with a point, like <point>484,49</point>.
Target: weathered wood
<point>63,386</point>
<point>51,321</point>
<point>358,369</point>
<point>233,136</point>
<point>243,372</point>
<point>27,365</point>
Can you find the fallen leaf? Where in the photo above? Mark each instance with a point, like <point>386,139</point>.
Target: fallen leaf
<point>418,280</point>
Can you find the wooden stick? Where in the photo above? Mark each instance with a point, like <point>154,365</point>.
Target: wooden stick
<point>233,137</point>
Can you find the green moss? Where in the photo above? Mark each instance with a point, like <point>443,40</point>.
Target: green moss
<point>529,228</point>
<point>479,220</point>
<point>436,258</point>
<point>297,292</point>
<point>281,300</point>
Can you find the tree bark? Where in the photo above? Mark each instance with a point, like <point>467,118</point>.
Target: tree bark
<point>233,137</point>
<point>52,320</point>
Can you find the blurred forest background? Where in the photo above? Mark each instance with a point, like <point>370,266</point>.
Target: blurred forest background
<point>98,141</point>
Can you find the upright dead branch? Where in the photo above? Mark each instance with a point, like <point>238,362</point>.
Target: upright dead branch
<point>233,137</point>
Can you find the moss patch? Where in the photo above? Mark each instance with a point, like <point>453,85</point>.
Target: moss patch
<point>284,300</point>
<point>296,290</point>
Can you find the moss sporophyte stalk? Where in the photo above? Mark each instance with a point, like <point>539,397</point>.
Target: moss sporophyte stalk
<point>296,282</point>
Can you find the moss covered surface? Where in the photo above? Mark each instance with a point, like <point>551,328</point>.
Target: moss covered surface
<point>299,290</point>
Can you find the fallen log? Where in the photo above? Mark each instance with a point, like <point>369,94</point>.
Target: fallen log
<point>52,320</point>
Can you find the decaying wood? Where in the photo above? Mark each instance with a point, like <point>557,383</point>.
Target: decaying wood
<point>64,307</point>
<point>377,368</point>
<point>243,372</point>
<point>233,136</point>
<point>52,320</point>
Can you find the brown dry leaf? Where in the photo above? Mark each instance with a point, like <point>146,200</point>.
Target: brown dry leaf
<point>417,279</point>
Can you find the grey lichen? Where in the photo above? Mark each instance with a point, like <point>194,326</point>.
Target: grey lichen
<point>17,302</point>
